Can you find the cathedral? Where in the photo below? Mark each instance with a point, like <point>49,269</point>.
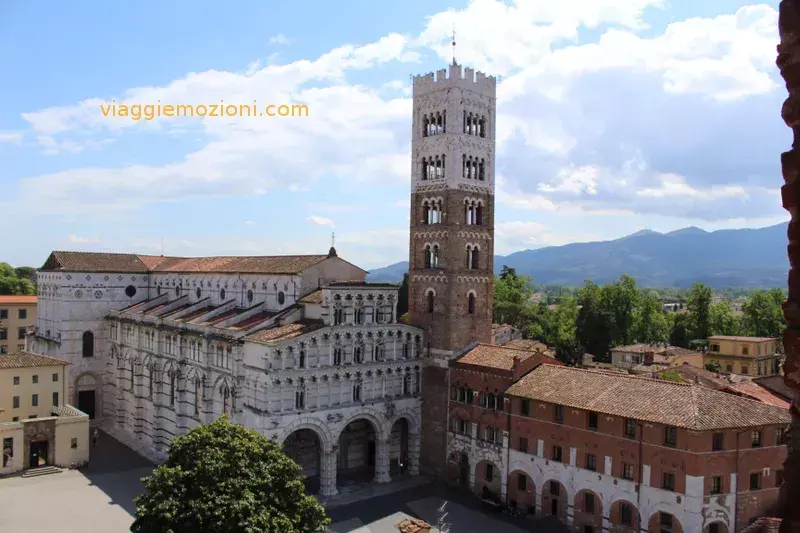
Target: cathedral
<point>300,348</point>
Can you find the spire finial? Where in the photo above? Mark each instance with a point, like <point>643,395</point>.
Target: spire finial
<point>333,239</point>
<point>454,44</point>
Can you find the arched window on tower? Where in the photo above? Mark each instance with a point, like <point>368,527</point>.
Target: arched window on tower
<point>430,301</point>
<point>468,213</point>
<point>172,390</point>
<point>469,256</point>
<point>425,125</point>
<point>472,256</point>
<point>479,214</point>
<point>476,258</point>
<point>88,344</point>
<point>424,169</point>
<point>464,166</point>
<point>482,170</point>
<point>428,256</point>
<point>471,303</point>
<point>435,256</point>
<point>302,359</point>
<point>426,212</point>
<point>482,127</point>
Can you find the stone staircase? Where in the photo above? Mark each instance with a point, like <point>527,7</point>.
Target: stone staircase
<point>41,471</point>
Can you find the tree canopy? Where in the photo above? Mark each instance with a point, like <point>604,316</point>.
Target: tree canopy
<point>225,478</point>
<point>18,281</point>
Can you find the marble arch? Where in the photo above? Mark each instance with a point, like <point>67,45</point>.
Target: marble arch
<point>319,428</point>
<point>377,420</point>
<point>414,424</point>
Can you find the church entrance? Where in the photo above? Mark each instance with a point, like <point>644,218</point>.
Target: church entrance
<point>86,402</point>
<point>38,453</point>
<point>303,446</point>
<point>357,453</point>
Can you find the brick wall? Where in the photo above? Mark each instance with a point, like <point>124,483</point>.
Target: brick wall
<point>435,394</point>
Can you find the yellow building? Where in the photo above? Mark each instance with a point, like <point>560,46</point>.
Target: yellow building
<point>747,356</point>
<point>17,313</point>
<point>36,427</point>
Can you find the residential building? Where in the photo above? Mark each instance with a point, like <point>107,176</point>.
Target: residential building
<point>17,314</point>
<point>777,386</point>
<point>586,447</point>
<point>747,356</point>
<point>654,358</point>
<point>504,333</point>
<point>37,427</point>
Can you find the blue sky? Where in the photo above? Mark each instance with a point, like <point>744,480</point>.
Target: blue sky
<point>614,115</point>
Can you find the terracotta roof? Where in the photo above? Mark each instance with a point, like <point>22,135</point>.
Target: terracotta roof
<point>361,283</point>
<point>692,374</point>
<point>252,320</point>
<point>526,344</point>
<point>757,392</point>
<point>286,331</point>
<point>499,357</point>
<point>649,400</point>
<point>776,385</point>
<point>25,359</point>
<point>740,339</point>
<point>312,298</point>
<point>764,525</point>
<point>665,352</point>
<point>109,262</point>
<point>14,299</point>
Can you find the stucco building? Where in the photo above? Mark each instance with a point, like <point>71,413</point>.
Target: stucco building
<point>746,356</point>
<point>17,314</point>
<point>37,427</point>
<point>653,358</point>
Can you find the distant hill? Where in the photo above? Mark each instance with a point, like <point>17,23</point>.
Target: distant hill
<point>725,258</point>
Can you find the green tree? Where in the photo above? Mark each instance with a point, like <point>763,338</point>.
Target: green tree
<point>620,300</point>
<point>650,322</point>
<point>699,305</point>
<point>402,297</point>
<point>670,375</point>
<point>594,322</point>
<point>224,478</point>
<point>570,352</point>
<point>11,283</point>
<point>680,334</point>
<point>763,314</point>
<point>722,321</point>
<point>512,295</point>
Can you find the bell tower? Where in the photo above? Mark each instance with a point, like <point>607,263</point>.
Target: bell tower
<point>451,251</point>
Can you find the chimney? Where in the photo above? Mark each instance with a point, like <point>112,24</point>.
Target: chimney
<point>515,366</point>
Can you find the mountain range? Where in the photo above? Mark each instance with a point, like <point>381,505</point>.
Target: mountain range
<point>725,258</point>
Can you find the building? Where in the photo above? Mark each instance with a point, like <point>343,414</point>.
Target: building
<point>17,314</point>
<point>584,446</point>
<point>37,427</point>
<point>654,357</point>
<point>747,356</point>
<point>300,348</point>
<point>451,241</point>
<point>505,333</point>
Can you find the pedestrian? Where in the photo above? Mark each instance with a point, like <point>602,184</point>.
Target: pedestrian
<point>94,438</point>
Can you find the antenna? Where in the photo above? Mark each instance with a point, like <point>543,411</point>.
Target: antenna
<point>333,240</point>
<point>162,246</point>
<point>454,44</point>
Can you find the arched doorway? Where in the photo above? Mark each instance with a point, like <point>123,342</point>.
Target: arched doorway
<point>663,522</point>
<point>398,448</point>
<point>555,500</point>
<point>623,517</point>
<point>303,447</point>
<point>716,527</point>
<point>521,491</point>
<point>588,511</point>
<point>487,480</point>
<point>358,450</point>
<point>86,394</point>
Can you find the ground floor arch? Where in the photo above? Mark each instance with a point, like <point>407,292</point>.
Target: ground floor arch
<point>623,517</point>
<point>522,491</point>
<point>663,522</point>
<point>555,499</point>
<point>357,452</point>
<point>588,511</point>
<point>304,447</point>
<point>716,527</point>
<point>399,441</point>
<point>88,394</point>
<point>488,480</point>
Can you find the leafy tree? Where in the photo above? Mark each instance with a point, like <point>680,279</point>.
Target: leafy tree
<point>699,305</point>
<point>224,478</point>
<point>650,322</point>
<point>10,283</point>
<point>570,352</point>
<point>512,296</point>
<point>28,273</point>
<point>670,375</point>
<point>763,314</point>
<point>714,367</point>
<point>402,297</point>
<point>620,300</point>
<point>680,335</point>
<point>594,322</point>
<point>7,271</point>
<point>722,321</point>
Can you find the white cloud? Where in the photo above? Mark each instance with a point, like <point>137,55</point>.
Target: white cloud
<point>322,221</point>
<point>279,39</point>
<point>675,187</point>
<point>523,235</point>
<point>249,223</point>
<point>75,239</point>
<point>12,137</point>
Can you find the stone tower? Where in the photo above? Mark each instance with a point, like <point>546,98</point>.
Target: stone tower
<point>452,231</point>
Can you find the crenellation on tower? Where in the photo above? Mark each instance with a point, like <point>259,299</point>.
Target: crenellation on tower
<point>455,76</point>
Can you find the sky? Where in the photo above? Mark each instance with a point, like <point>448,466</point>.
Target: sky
<point>613,116</point>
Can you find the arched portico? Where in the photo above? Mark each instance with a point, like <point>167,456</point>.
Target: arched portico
<point>663,522</point>
<point>623,517</point>
<point>588,511</point>
<point>488,480</point>
<point>358,452</point>
<point>304,447</point>
<point>716,527</point>
<point>325,449</point>
<point>555,499</point>
<point>522,491</point>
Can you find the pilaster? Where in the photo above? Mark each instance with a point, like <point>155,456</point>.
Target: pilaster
<point>413,453</point>
<point>328,472</point>
<point>382,462</point>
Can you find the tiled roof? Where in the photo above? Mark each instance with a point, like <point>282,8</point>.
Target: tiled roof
<point>312,298</point>
<point>286,331</point>
<point>648,400</point>
<point>638,348</point>
<point>693,374</point>
<point>764,525</point>
<point>252,320</point>
<point>361,283</point>
<point>757,392</point>
<point>499,357</point>
<point>18,300</point>
<point>108,262</point>
<point>776,385</point>
<point>526,344</point>
<point>25,360</point>
<point>740,339</point>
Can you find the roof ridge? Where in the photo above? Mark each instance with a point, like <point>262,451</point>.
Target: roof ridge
<point>629,376</point>
<point>508,347</point>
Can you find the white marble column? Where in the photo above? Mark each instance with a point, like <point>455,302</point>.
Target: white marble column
<point>413,454</point>
<point>328,472</point>
<point>382,462</point>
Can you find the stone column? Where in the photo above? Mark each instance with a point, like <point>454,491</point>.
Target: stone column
<point>327,474</point>
<point>789,64</point>
<point>382,462</point>
<point>413,453</point>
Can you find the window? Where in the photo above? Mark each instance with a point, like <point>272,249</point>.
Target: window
<point>172,391</point>
<point>755,438</point>
<point>178,291</point>
<point>16,380</point>
<point>745,350</point>
<point>591,462</point>
<point>20,334</point>
<point>714,347</point>
<point>22,314</point>
<point>88,344</point>
<point>3,314</point>
<point>588,502</point>
<point>300,399</point>
<point>36,378</point>
<point>716,485</point>
<point>755,481</point>
<point>781,436</point>
<point>337,356</point>
<point>35,400</point>
<point>55,377</point>
<point>717,442</point>
<point>559,414</point>
<point>522,482</point>
<point>198,292</point>
<point>665,521</point>
<point>630,428</point>
<point>554,488</point>
<point>130,291</point>
<point>471,304</point>
<point>281,298</point>
<point>778,478</point>
<point>55,399</point>
<point>745,370</point>
<point>249,296</point>
<point>73,443</point>
<point>526,408</point>
<point>302,359</point>
<point>8,450</point>
<point>3,334</point>
<point>523,445</point>
<point>489,472</point>
<point>670,435</point>
<point>729,369</point>
<point>592,421</point>
<point>626,514</point>
<point>222,295</point>
<point>357,392</point>
<point>627,471</point>
<point>430,301</point>
<point>15,402</point>
<point>668,481</point>
<point>557,453</point>
<point>15,419</point>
